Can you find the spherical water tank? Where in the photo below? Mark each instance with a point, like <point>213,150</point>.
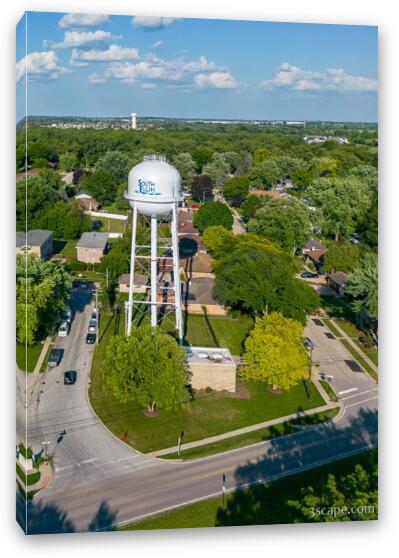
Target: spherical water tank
<point>154,186</point>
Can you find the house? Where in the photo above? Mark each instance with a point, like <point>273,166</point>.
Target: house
<point>198,265</point>
<point>312,245</point>
<point>38,242</point>
<point>197,293</point>
<point>91,247</point>
<point>140,283</point>
<point>86,202</point>
<point>337,281</point>
<point>211,368</point>
<point>275,195</point>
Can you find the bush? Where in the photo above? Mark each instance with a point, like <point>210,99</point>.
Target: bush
<point>213,213</point>
<point>75,265</point>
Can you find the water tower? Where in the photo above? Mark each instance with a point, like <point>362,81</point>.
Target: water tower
<point>154,193</point>
<point>133,116</point>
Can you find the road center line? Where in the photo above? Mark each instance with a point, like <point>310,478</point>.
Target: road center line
<point>360,402</point>
<point>347,391</point>
<point>357,394</point>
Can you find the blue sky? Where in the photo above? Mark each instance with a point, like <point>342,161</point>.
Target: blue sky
<point>98,65</point>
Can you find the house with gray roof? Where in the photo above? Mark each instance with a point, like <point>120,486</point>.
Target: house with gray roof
<point>38,242</point>
<point>92,246</point>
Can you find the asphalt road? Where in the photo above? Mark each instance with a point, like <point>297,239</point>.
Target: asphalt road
<point>100,482</point>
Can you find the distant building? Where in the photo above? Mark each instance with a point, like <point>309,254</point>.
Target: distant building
<point>276,195</point>
<point>295,123</point>
<point>86,202</point>
<point>38,242</point>
<point>92,246</point>
<point>321,139</point>
<point>337,281</point>
<point>311,245</point>
<point>140,283</point>
<point>314,252</point>
<point>211,368</point>
<point>134,120</point>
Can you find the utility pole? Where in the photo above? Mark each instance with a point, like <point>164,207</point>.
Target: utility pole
<point>97,314</point>
<point>46,444</point>
<point>223,488</point>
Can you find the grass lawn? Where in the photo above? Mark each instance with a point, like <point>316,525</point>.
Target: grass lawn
<point>265,504</point>
<point>250,438</point>
<point>205,416</point>
<point>45,360</point>
<point>359,359</point>
<point>371,352</point>
<point>69,248</point>
<point>231,332</point>
<point>114,209</point>
<point>27,479</point>
<point>31,353</point>
<point>349,328</point>
<point>329,390</point>
<point>110,225</point>
<point>332,327</point>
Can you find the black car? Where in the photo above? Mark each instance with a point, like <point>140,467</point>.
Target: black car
<point>55,357</point>
<point>308,275</point>
<point>70,377</point>
<point>308,343</point>
<point>90,338</point>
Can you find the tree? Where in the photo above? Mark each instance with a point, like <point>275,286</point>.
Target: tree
<point>119,164</point>
<point>217,168</point>
<point>252,277</point>
<point>275,353</point>
<point>342,256</point>
<point>363,285</point>
<point>116,262</point>
<point>236,189</point>
<point>286,221</point>
<point>262,153</point>
<point>65,220</point>
<point>296,300</point>
<point>148,368</point>
<point>250,206</point>
<point>41,294</point>
<point>213,213</point>
<point>201,187</point>
<point>218,240</point>
<point>101,185</point>
<point>67,161</point>
<point>185,164</point>
<point>343,202</point>
<point>322,166</point>
<point>369,224</point>
<point>39,195</point>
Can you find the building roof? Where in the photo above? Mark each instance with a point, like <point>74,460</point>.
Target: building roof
<point>83,196</point>
<point>312,244</point>
<point>93,240</point>
<point>315,255</point>
<point>209,355</point>
<point>339,278</point>
<point>33,238</point>
<point>200,262</point>
<point>138,279</point>
<point>267,193</point>
<point>199,290</point>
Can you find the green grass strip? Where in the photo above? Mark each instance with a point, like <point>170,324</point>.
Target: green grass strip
<point>329,390</point>
<point>359,359</point>
<point>332,327</point>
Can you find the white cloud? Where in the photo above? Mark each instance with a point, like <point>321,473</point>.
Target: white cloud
<point>40,65</point>
<point>83,20</point>
<point>215,80</point>
<point>333,79</point>
<point>79,38</point>
<point>147,85</point>
<point>152,23</point>
<point>112,54</point>
<point>157,45</point>
<point>95,79</point>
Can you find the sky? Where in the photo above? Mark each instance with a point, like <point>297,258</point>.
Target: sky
<point>105,65</point>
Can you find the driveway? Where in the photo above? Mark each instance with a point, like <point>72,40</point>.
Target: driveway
<point>84,451</point>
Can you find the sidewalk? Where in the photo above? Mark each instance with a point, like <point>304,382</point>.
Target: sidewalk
<point>245,430</point>
<point>345,336</point>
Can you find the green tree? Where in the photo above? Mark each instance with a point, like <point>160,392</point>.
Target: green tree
<point>342,256</point>
<point>148,368</point>
<point>296,300</point>
<point>363,285</point>
<point>236,189</point>
<point>262,153</point>
<point>67,161</point>
<point>213,213</point>
<point>286,221</point>
<point>218,240</point>
<point>217,169</point>
<point>250,206</point>
<point>119,164</point>
<point>41,294</point>
<point>65,220</point>
<point>185,164</point>
<point>369,224</point>
<point>101,184</point>
<point>343,202</point>
<point>275,353</point>
<point>38,194</point>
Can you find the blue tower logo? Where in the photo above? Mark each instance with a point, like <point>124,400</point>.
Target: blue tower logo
<point>146,187</point>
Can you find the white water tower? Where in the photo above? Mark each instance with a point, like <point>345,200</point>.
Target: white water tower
<point>134,120</point>
<point>154,192</point>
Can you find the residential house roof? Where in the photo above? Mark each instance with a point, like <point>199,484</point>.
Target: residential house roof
<point>200,262</point>
<point>312,244</point>
<point>32,238</point>
<point>199,290</point>
<point>93,240</point>
<point>315,255</point>
<point>268,193</point>
<point>339,278</point>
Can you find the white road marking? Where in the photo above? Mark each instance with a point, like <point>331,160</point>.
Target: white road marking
<point>76,464</point>
<point>357,394</point>
<point>360,402</point>
<point>347,391</point>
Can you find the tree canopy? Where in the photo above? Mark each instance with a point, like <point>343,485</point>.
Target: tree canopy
<point>286,221</point>
<point>213,213</point>
<point>201,187</point>
<point>65,220</point>
<point>342,256</point>
<point>363,285</point>
<point>236,189</point>
<point>275,353</point>
<point>147,368</point>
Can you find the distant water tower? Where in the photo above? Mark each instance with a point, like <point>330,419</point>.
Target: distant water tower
<point>154,192</point>
<point>134,120</point>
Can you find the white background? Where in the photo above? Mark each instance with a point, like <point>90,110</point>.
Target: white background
<point>350,539</point>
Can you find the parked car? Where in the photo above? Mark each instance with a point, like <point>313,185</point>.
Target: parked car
<point>67,314</point>
<point>84,285</point>
<point>91,338</point>
<point>55,357</point>
<point>308,343</point>
<point>92,326</point>
<point>308,275</point>
<point>70,377</point>
<point>63,330</point>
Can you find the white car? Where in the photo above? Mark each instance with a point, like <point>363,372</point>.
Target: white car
<point>63,330</point>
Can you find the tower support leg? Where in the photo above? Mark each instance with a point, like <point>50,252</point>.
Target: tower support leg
<point>131,279</point>
<point>176,275</point>
<point>154,271</point>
